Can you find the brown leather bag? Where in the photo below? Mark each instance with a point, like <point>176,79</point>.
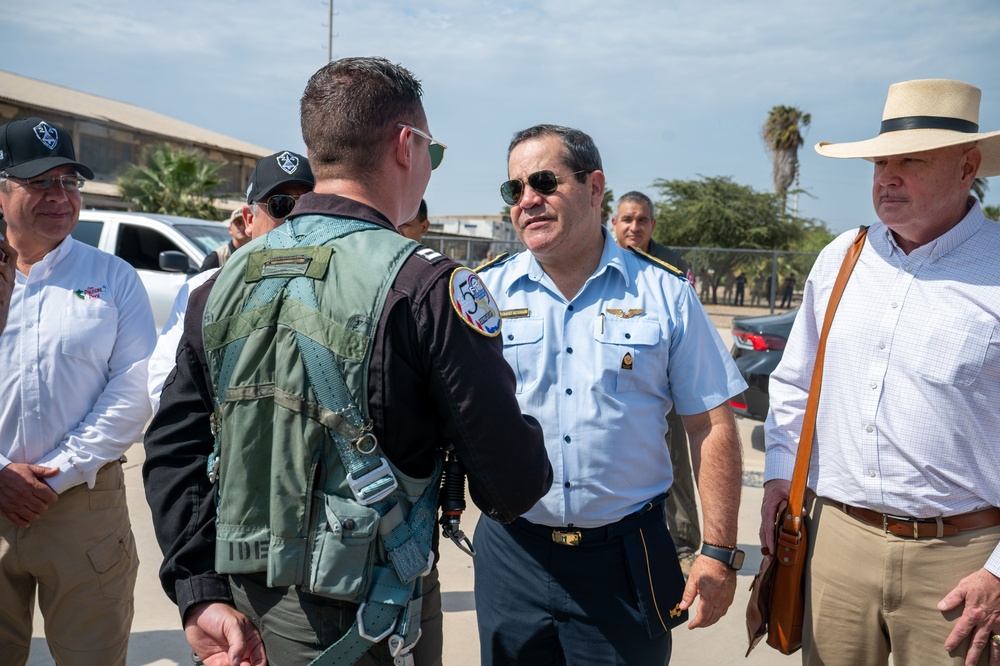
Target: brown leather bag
<point>777,593</point>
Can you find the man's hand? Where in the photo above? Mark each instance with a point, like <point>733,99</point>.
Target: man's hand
<point>222,636</point>
<point>24,495</point>
<point>715,583</point>
<point>980,618</point>
<point>775,490</point>
<point>7,265</point>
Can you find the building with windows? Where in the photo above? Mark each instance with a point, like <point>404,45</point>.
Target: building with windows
<point>109,135</point>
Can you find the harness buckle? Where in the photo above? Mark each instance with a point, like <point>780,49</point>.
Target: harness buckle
<point>359,485</point>
<point>567,537</point>
<point>361,626</point>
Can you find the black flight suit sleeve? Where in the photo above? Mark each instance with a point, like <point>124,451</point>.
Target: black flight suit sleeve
<point>443,379</point>
<point>178,443</point>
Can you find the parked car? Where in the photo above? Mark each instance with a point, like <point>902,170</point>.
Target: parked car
<point>164,249</point>
<point>758,343</point>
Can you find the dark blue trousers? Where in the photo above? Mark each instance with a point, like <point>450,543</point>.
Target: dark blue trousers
<point>540,603</point>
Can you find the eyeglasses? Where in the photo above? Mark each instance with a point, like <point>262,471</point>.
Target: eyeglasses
<point>436,148</point>
<point>543,182</point>
<point>68,183</point>
<point>279,205</point>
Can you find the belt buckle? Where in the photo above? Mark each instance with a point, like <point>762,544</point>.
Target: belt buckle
<point>567,537</point>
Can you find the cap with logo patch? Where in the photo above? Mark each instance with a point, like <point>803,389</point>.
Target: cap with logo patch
<point>276,170</point>
<point>31,146</point>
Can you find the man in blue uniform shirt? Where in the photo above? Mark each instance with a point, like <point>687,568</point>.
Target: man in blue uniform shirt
<point>602,342</point>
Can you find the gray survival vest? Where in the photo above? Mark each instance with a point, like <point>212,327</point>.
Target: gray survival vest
<point>305,494</point>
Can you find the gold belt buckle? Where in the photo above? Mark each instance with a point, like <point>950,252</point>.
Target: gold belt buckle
<point>567,537</point>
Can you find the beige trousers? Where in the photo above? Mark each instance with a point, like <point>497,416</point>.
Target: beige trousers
<point>80,557</point>
<point>869,593</point>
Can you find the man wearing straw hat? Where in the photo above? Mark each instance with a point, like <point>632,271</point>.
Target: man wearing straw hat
<point>903,529</point>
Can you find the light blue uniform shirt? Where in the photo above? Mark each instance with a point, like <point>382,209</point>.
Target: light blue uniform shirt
<point>601,372</point>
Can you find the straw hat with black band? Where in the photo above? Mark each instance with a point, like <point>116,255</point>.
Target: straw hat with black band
<point>924,115</point>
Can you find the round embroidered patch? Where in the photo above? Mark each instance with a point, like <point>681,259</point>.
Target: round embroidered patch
<point>474,303</point>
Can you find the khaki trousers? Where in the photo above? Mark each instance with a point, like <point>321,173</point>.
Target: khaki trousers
<point>869,593</point>
<point>80,557</point>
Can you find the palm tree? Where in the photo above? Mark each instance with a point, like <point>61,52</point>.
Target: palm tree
<point>173,182</point>
<point>606,202</point>
<point>782,136</point>
<point>979,187</point>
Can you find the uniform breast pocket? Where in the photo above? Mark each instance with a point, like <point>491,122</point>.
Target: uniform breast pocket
<point>522,347</point>
<point>957,356</point>
<point>89,330</point>
<point>625,354</point>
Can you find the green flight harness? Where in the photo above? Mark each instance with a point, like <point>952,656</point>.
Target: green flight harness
<point>304,489</point>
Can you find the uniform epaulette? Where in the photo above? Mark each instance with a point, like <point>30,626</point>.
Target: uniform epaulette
<point>659,262</point>
<point>495,261</point>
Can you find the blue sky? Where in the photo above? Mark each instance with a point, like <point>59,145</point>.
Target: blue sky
<point>667,88</point>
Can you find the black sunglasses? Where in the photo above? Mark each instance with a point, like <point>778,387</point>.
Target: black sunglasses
<point>543,182</point>
<point>279,205</point>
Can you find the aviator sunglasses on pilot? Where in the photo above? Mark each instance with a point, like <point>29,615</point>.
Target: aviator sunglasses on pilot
<point>279,205</point>
<point>436,148</point>
<point>543,182</point>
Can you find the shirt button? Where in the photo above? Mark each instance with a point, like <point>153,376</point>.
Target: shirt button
<point>872,472</point>
<point>510,336</point>
<point>567,439</point>
<point>569,350</point>
<point>874,385</point>
<point>31,324</point>
<point>567,484</point>
<point>881,345</point>
<point>628,336</point>
<point>570,308</point>
<point>870,429</point>
<point>569,391</point>
<point>894,305</point>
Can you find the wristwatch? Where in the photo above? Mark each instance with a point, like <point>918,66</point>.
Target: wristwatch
<point>731,557</point>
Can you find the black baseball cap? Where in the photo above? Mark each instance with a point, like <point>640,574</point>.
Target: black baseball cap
<point>31,146</point>
<point>275,170</point>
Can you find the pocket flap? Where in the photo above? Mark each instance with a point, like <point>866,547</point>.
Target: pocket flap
<point>521,331</point>
<point>106,554</point>
<point>627,332</point>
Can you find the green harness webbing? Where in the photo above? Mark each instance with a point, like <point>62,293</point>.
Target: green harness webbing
<point>392,606</point>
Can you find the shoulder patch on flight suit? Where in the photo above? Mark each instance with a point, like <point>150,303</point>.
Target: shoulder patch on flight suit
<point>670,268</point>
<point>474,303</point>
<point>430,256</point>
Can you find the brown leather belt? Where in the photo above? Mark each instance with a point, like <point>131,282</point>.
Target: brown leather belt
<point>924,528</point>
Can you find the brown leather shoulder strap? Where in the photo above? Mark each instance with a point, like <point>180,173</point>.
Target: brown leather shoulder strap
<point>796,496</point>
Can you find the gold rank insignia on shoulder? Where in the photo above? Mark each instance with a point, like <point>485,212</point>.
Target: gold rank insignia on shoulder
<point>627,361</point>
<point>676,611</point>
<point>520,313</point>
<point>625,314</point>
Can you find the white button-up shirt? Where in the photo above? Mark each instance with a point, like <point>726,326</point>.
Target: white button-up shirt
<point>78,336</point>
<point>601,371</point>
<point>909,414</point>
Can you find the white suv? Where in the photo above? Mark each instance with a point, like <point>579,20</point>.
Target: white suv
<point>165,250</point>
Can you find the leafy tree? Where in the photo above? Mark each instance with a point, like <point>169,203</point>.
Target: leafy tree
<point>607,205</point>
<point>173,182</point>
<point>979,187</point>
<point>992,212</point>
<point>782,136</point>
<point>715,212</point>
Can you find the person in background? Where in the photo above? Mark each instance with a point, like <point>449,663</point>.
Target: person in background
<point>237,230</point>
<point>633,225</point>
<point>275,184</point>
<point>903,527</point>
<point>416,228</point>
<point>75,346</point>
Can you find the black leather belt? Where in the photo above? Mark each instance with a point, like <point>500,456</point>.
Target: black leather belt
<point>580,536</point>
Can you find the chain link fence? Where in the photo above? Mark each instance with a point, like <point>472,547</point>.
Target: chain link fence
<point>753,278</point>
<point>758,278</point>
